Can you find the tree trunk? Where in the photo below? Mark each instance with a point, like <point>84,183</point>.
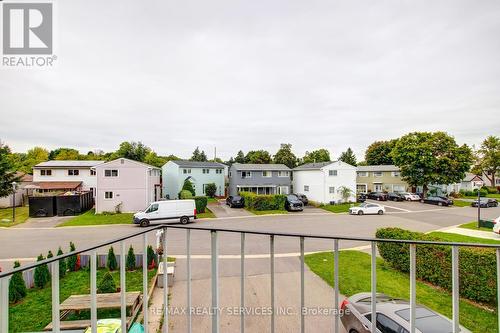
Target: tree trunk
<point>425,190</point>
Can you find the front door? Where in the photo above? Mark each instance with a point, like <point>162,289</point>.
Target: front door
<point>377,187</point>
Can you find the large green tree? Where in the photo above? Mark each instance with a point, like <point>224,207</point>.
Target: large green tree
<point>348,157</point>
<point>136,151</point>
<point>316,156</point>
<point>7,171</point>
<point>488,159</point>
<point>198,155</point>
<point>65,154</point>
<point>379,153</point>
<point>153,159</point>
<point>32,157</point>
<point>431,158</point>
<point>285,156</point>
<point>258,157</point>
<point>240,157</point>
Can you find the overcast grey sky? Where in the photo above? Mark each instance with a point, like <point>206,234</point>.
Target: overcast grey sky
<point>254,74</point>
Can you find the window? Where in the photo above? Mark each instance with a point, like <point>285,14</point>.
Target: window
<point>111,173</point>
<point>219,171</point>
<point>283,173</point>
<point>331,189</point>
<point>385,324</point>
<point>45,172</point>
<point>92,172</point>
<point>154,172</point>
<point>267,174</point>
<point>152,208</point>
<point>230,174</point>
<point>186,170</point>
<point>206,170</point>
<point>395,173</point>
<point>306,188</point>
<point>92,191</point>
<point>363,174</point>
<point>73,172</point>
<point>377,174</point>
<point>332,172</point>
<point>246,174</point>
<point>108,195</point>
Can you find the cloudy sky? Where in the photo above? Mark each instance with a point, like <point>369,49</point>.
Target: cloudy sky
<point>254,74</point>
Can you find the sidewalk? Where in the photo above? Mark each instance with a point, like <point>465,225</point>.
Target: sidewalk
<point>472,233</point>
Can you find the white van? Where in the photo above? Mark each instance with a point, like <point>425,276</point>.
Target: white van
<point>161,211</point>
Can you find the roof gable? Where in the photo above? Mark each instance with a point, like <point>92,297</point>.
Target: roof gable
<point>117,162</point>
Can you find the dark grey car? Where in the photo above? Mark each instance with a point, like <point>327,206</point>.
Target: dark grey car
<point>393,316</point>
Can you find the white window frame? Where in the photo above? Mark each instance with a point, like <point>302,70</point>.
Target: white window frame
<point>71,172</point>
<point>186,171</point>
<point>362,174</point>
<point>331,189</point>
<point>248,174</point>
<point>46,172</point>
<point>375,174</point>
<point>106,197</point>
<point>219,171</point>
<point>396,174</point>
<point>306,188</point>
<point>286,174</point>
<point>206,171</point>
<point>111,173</point>
<point>93,172</point>
<point>267,174</point>
<point>333,173</point>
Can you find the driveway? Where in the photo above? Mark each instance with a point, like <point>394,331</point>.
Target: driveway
<point>220,209</point>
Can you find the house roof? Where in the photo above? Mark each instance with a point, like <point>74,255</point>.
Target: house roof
<point>127,159</point>
<point>378,168</point>
<point>263,167</point>
<point>312,166</point>
<point>57,185</point>
<point>469,176</point>
<point>68,163</point>
<point>196,164</point>
<point>24,177</point>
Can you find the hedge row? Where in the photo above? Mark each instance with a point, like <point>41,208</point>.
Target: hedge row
<point>201,204</point>
<point>264,202</point>
<point>477,265</point>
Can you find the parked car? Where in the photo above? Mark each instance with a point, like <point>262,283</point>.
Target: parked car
<point>485,203</point>
<point>367,208</point>
<point>293,203</point>
<point>440,201</point>
<point>496,225</point>
<point>393,315</point>
<point>303,198</point>
<point>379,196</point>
<point>395,196</point>
<point>162,211</point>
<point>410,196</point>
<point>361,197</point>
<point>235,201</point>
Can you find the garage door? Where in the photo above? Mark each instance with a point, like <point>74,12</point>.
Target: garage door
<point>398,188</point>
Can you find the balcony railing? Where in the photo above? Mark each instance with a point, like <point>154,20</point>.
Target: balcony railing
<point>215,315</point>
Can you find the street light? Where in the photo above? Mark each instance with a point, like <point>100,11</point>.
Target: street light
<point>479,185</point>
<point>14,187</point>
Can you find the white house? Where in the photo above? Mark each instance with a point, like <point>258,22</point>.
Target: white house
<point>125,185</point>
<point>321,182</point>
<point>68,175</point>
<point>200,174</point>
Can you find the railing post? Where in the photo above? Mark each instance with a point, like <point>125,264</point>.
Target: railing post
<point>165,283</point>
<point>4,304</point>
<point>93,291</point>
<point>413,286</point>
<point>271,252</point>
<point>302,291</point>
<point>336,284</point>
<point>215,282</point>
<point>242,285</point>
<point>123,287</point>
<point>455,288</point>
<point>188,269</point>
<point>56,326</point>
<point>374,287</point>
<point>145,298</point>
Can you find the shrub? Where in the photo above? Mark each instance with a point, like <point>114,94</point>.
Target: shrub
<point>188,186</point>
<point>201,204</point>
<point>130,259</point>
<point>42,275</point>
<point>482,192</point>
<point>477,267</point>
<point>263,202</point>
<point>62,263</point>
<point>185,194</point>
<point>152,259</point>
<point>107,284</point>
<point>492,190</point>
<point>73,260</point>
<point>210,190</point>
<point>50,255</point>
<point>17,287</point>
<point>111,262</point>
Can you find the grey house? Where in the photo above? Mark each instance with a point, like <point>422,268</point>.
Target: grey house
<point>260,178</point>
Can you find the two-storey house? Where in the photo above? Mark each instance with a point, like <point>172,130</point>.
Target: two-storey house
<point>260,178</point>
<point>200,174</point>
<point>125,185</point>
<point>380,178</point>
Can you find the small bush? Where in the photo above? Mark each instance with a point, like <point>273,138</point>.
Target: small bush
<point>188,186</point>
<point>211,190</point>
<point>152,258</point>
<point>482,192</point>
<point>201,204</point>
<point>185,194</point>
<point>263,202</point>
<point>17,287</point>
<point>42,275</point>
<point>107,284</point>
<point>111,262</point>
<point>130,259</point>
<point>73,260</point>
<point>62,263</point>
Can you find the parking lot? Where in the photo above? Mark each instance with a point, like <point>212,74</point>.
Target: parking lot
<point>408,206</point>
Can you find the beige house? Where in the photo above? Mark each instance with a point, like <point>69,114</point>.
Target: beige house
<point>379,178</point>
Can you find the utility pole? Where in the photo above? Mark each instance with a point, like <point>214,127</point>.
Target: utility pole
<point>14,184</point>
<point>215,154</point>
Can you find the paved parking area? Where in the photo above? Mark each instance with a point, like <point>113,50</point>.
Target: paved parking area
<point>408,206</point>
<point>220,209</point>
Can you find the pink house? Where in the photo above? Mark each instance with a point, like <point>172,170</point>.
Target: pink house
<point>125,185</point>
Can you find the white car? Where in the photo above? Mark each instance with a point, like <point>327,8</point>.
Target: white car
<point>410,196</point>
<point>367,208</point>
<point>496,227</point>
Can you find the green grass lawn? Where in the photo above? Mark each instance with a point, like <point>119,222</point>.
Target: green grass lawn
<point>354,277</point>
<point>450,237</point>
<point>342,208</point>
<point>473,225</point>
<point>212,200</point>
<point>266,212</point>
<point>461,203</point>
<point>91,218</point>
<point>496,196</point>
<point>22,214</point>
<point>33,313</point>
<point>208,214</point>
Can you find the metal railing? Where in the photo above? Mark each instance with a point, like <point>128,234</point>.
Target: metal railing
<point>215,315</point>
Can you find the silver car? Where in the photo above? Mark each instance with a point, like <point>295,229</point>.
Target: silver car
<point>393,316</point>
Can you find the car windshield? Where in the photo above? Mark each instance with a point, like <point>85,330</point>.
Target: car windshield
<point>236,197</point>
<point>292,197</point>
<point>364,204</point>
